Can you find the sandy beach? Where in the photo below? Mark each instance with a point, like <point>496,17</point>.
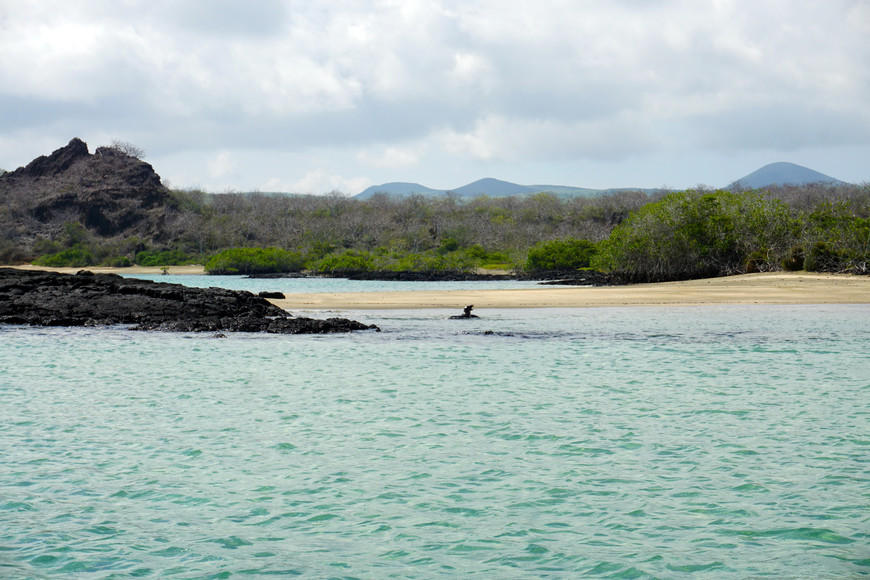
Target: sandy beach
<point>766,288</point>
<point>185,270</point>
<point>770,288</point>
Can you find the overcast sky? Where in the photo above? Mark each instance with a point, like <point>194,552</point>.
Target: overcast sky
<point>312,96</point>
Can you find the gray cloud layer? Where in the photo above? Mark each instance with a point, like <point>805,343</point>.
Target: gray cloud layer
<point>318,95</point>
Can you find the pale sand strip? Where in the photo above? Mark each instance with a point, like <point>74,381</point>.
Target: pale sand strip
<point>186,270</point>
<point>771,288</point>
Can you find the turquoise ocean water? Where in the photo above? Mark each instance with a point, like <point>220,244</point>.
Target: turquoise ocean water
<point>708,442</point>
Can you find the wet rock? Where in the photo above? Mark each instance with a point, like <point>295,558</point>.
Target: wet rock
<point>273,295</point>
<point>86,299</point>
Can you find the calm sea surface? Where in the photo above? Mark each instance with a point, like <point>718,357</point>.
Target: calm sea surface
<point>708,442</point>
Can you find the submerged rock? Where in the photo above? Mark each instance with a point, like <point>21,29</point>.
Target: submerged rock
<point>85,299</point>
<point>275,295</point>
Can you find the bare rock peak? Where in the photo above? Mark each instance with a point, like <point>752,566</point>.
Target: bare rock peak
<point>59,161</point>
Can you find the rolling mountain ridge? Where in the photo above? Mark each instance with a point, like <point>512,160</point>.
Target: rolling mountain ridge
<point>779,173</point>
<point>487,186</point>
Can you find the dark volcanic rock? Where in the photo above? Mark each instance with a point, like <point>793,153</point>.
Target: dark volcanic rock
<point>57,162</point>
<point>389,276</point>
<point>574,278</point>
<point>267,294</point>
<point>570,278</point>
<point>579,278</point>
<point>426,276</point>
<point>87,299</point>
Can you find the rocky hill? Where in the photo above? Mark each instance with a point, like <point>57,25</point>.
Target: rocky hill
<point>109,192</point>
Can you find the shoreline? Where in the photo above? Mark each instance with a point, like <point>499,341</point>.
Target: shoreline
<point>766,288</point>
<point>192,270</point>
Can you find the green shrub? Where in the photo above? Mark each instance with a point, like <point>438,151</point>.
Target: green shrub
<point>487,259</point>
<point>346,261</point>
<point>694,234</point>
<point>448,245</point>
<point>823,257</point>
<point>74,257</point>
<point>432,262</point>
<point>254,261</point>
<point>839,240</point>
<point>560,255</point>
<point>163,258</point>
<point>384,260</point>
<point>75,234</point>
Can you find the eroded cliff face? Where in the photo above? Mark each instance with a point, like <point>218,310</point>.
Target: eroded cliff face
<point>109,192</point>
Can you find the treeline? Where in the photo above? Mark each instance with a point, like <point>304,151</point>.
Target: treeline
<point>634,235</point>
<point>333,233</point>
<point>320,225</point>
<point>700,233</point>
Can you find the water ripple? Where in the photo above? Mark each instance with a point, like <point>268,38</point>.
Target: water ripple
<point>606,443</point>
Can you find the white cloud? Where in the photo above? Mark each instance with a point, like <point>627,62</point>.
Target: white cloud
<point>321,181</point>
<point>398,85</point>
<point>221,165</point>
<point>389,157</point>
<point>509,139</point>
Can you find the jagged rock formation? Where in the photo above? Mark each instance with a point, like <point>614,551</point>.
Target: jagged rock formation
<point>85,299</point>
<point>109,192</point>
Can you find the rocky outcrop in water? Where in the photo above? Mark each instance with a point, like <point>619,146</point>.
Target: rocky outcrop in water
<point>86,299</point>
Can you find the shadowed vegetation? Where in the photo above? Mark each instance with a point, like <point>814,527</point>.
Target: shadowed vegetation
<point>699,233</point>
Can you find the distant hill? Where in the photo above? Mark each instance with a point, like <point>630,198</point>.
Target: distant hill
<point>782,173</point>
<point>493,188</point>
<point>488,186</point>
<point>399,188</point>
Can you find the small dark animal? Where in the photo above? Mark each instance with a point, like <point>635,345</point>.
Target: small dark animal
<point>466,313</point>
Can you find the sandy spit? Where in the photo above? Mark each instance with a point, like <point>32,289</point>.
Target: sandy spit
<point>185,270</point>
<point>766,288</point>
<point>769,288</point>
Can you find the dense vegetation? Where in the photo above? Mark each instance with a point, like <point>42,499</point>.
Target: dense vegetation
<point>635,235</point>
<point>254,261</point>
<point>692,234</point>
<point>560,255</point>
